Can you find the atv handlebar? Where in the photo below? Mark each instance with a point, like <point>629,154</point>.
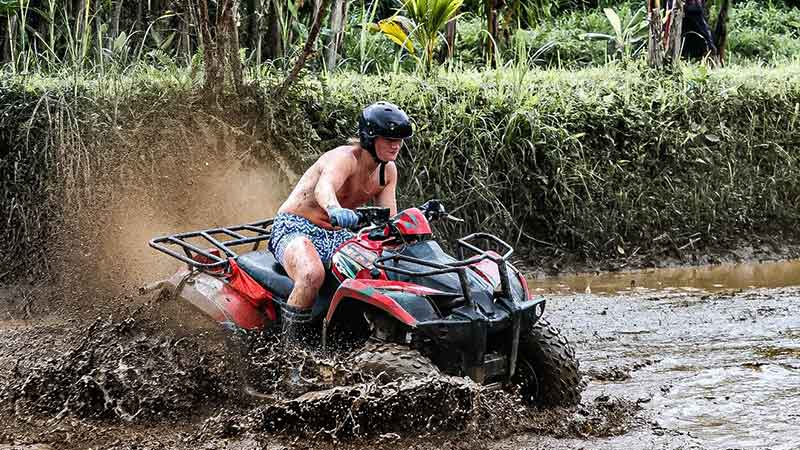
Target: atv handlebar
<point>379,216</point>
<point>367,215</point>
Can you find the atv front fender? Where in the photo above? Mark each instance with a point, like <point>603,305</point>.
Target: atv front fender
<point>405,302</point>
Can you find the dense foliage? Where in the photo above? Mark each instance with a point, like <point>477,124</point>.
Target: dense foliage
<point>593,162</point>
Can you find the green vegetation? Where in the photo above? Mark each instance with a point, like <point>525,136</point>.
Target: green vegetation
<point>594,162</point>
<point>570,145</point>
<point>50,36</point>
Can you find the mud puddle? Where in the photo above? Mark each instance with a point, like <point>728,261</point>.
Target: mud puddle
<point>673,368</point>
<point>682,279</point>
<point>711,370</point>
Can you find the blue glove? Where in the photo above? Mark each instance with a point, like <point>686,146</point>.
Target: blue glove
<point>343,217</point>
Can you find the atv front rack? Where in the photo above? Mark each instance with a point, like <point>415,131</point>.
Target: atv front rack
<point>459,267</point>
<point>217,256</point>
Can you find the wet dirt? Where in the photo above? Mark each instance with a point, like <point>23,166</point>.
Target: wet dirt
<point>670,368</point>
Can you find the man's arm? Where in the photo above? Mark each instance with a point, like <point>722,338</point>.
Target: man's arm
<point>387,197</point>
<point>334,173</point>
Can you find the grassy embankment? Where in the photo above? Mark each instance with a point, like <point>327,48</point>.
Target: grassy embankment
<point>596,163</point>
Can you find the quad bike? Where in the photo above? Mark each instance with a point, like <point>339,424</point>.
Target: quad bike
<point>393,287</point>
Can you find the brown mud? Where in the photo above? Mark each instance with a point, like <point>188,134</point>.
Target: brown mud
<point>663,369</point>
<point>86,363</point>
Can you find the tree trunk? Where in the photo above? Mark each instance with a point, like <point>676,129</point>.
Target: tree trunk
<point>308,49</point>
<point>232,38</point>
<point>139,14</point>
<point>450,37</point>
<point>252,24</point>
<point>261,20</point>
<point>338,19</point>
<point>274,31</point>
<point>220,49</point>
<point>115,23</point>
<point>491,27</point>
<point>9,26</point>
<point>675,32</point>
<point>655,49</point>
<point>210,63</point>
<point>80,12</point>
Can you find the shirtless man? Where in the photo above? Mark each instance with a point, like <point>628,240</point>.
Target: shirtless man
<point>303,237</point>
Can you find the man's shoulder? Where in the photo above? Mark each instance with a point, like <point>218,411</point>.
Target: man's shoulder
<point>391,170</point>
<point>342,154</point>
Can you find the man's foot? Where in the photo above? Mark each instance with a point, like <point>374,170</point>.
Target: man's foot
<point>296,328</point>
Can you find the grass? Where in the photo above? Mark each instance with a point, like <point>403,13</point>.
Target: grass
<point>595,162</point>
<point>603,159</point>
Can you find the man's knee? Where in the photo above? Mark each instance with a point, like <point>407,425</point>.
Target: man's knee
<point>312,277</point>
<point>304,265</point>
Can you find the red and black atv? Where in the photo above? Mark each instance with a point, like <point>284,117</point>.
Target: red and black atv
<point>394,286</point>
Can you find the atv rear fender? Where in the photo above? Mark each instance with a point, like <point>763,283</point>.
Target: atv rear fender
<point>215,298</point>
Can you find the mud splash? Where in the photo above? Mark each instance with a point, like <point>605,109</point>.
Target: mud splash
<point>191,170</point>
<point>144,369</point>
<point>118,371</point>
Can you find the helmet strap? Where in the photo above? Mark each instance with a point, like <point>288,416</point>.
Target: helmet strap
<point>381,164</point>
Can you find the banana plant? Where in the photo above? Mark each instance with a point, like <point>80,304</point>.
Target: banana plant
<point>420,27</point>
<point>625,38</point>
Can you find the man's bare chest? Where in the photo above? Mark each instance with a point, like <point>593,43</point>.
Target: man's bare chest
<point>357,191</point>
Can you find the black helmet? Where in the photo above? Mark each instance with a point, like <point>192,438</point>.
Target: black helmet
<point>382,119</point>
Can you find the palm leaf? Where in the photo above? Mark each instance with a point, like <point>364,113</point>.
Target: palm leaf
<point>395,29</point>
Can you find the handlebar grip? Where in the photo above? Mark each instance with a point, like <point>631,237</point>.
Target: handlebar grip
<point>357,226</point>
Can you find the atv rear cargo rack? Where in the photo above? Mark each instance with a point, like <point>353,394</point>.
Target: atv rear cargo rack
<point>460,266</point>
<point>209,259</point>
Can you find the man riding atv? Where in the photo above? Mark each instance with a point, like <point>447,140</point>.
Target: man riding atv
<point>392,298</point>
<point>303,234</point>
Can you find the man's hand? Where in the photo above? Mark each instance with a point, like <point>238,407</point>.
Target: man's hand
<point>342,217</point>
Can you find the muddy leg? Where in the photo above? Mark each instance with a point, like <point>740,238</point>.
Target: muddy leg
<point>303,264</point>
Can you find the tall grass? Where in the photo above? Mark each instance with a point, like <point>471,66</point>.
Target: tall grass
<point>603,159</point>
<point>590,162</point>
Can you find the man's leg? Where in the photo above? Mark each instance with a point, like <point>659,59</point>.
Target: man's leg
<point>304,267</point>
<point>302,263</point>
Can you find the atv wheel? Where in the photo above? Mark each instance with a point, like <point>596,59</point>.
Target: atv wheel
<point>547,369</point>
<point>391,361</point>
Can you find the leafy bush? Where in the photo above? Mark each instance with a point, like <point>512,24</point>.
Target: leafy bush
<point>759,33</point>
<point>756,33</point>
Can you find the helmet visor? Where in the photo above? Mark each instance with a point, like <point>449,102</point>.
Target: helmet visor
<point>394,130</point>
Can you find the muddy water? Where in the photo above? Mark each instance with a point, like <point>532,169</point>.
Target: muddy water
<point>711,363</point>
<point>705,278</point>
<point>715,366</point>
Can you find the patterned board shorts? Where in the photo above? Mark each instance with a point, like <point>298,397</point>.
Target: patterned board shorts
<point>287,227</point>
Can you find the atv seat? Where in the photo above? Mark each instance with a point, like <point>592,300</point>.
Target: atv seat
<point>267,271</point>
